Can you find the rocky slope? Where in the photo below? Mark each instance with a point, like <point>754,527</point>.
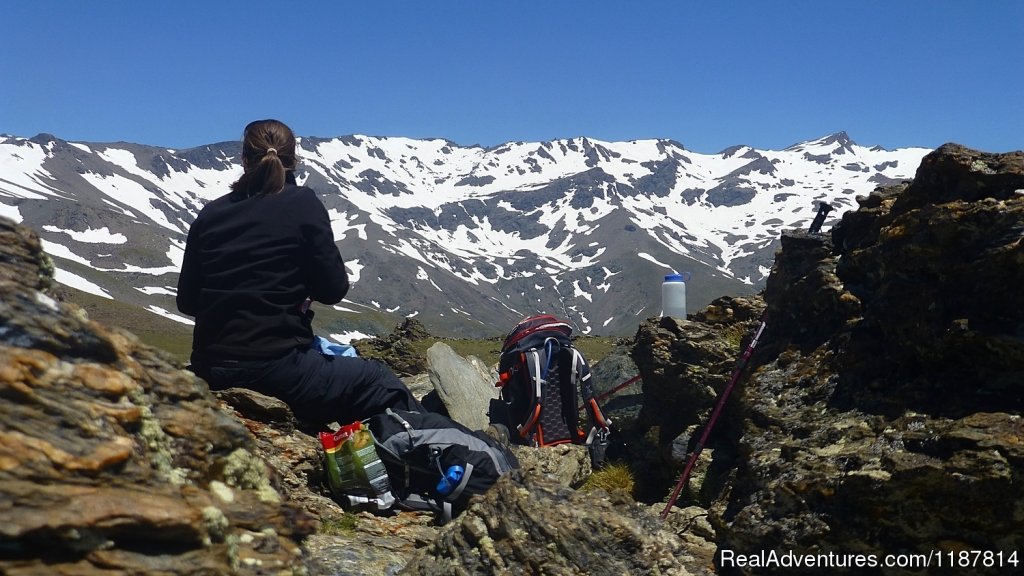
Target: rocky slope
<point>890,421</point>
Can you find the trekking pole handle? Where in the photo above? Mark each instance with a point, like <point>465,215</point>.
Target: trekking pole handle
<point>819,219</point>
<point>753,343</point>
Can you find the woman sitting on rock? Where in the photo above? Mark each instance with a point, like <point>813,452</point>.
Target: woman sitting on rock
<point>253,258</point>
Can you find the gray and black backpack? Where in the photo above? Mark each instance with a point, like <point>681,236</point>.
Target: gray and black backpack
<point>432,463</point>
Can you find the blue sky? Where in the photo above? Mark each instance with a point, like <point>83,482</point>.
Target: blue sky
<point>708,74</point>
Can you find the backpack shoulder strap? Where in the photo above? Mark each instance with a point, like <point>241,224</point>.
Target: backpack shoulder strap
<point>597,437</point>
<point>535,361</point>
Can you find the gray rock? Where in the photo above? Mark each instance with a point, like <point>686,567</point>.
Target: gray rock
<point>419,384</point>
<point>465,387</point>
<point>565,464</point>
<point>692,525</point>
<point>622,406</point>
<point>374,546</point>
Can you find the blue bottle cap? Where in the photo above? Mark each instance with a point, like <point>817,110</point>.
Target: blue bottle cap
<point>450,480</point>
<point>455,473</point>
<point>673,278</point>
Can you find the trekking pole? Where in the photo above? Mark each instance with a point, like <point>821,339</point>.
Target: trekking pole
<point>604,395</point>
<point>819,219</point>
<point>714,417</point>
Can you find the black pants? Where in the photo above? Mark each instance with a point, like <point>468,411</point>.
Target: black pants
<point>319,389</point>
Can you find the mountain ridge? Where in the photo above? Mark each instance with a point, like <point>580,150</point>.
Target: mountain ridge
<point>467,239</point>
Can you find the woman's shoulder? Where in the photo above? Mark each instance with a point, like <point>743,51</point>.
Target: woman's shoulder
<point>301,197</point>
<point>298,192</point>
<point>215,206</point>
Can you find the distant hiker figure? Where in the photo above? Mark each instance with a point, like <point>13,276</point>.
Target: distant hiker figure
<point>252,259</point>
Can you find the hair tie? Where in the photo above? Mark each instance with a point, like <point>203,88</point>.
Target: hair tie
<point>269,150</point>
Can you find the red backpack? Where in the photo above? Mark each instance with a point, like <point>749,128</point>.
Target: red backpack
<point>543,379</point>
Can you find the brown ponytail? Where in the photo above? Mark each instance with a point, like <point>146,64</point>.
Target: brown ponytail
<point>268,153</point>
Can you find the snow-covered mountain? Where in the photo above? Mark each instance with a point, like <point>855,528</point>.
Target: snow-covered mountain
<point>467,239</point>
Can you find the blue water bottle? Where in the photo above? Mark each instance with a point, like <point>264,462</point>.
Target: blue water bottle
<point>450,480</point>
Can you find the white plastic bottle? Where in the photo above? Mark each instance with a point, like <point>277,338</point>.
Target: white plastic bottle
<point>673,295</point>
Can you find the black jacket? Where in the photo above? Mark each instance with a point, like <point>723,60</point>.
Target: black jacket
<point>249,264</point>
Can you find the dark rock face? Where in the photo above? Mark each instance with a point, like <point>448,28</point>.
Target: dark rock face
<point>31,318</point>
<point>808,302</point>
<point>886,414</point>
<point>114,461</point>
<point>939,270</point>
<point>622,406</point>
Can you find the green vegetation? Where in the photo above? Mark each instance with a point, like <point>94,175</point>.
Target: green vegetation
<point>734,335</point>
<point>488,349</point>
<point>176,338</point>
<point>595,348</point>
<point>339,525</point>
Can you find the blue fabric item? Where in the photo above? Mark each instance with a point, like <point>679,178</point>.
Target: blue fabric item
<point>328,348</point>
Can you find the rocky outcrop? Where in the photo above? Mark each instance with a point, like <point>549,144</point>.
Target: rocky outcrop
<point>685,365</point>
<point>938,268</point>
<point>564,464</point>
<point>526,525</point>
<point>881,413</point>
<point>887,417</point>
<point>397,349</point>
<point>809,303</point>
<point>114,461</point>
<point>617,368</point>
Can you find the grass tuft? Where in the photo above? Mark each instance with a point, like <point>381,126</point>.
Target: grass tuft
<point>614,477</point>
